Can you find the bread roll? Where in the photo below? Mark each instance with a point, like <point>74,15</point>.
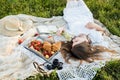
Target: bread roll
<point>56,46</point>
<point>47,46</point>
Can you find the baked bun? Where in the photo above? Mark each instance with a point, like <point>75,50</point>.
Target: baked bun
<point>56,46</point>
<point>47,46</point>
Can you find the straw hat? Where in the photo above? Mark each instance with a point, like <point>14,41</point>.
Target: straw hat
<point>12,26</point>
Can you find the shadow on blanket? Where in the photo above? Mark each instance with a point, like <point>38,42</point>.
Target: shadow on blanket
<point>83,51</point>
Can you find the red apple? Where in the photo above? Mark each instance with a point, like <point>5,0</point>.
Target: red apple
<point>20,41</point>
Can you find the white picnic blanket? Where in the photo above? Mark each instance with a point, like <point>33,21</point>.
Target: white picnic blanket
<point>16,62</point>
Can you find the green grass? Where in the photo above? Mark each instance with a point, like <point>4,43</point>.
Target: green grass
<point>108,12</point>
<point>52,76</point>
<point>41,8</point>
<point>110,72</point>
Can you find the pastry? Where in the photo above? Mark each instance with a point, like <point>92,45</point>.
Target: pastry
<point>47,46</point>
<point>56,46</point>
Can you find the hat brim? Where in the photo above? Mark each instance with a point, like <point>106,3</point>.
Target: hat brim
<point>3,31</point>
<point>9,33</point>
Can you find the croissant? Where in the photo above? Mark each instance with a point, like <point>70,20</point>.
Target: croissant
<point>47,46</point>
<point>56,46</point>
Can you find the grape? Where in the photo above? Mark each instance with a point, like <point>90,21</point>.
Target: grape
<point>67,35</point>
<point>54,66</point>
<point>59,67</point>
<point>49,67</point>
<point>55,62</point>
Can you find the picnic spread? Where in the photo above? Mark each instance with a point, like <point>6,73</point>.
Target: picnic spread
<point>16,58</point>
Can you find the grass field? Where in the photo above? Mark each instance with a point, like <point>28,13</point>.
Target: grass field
<point>108,12</point>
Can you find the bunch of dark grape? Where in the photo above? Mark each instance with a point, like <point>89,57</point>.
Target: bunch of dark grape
<point>55,65</point>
